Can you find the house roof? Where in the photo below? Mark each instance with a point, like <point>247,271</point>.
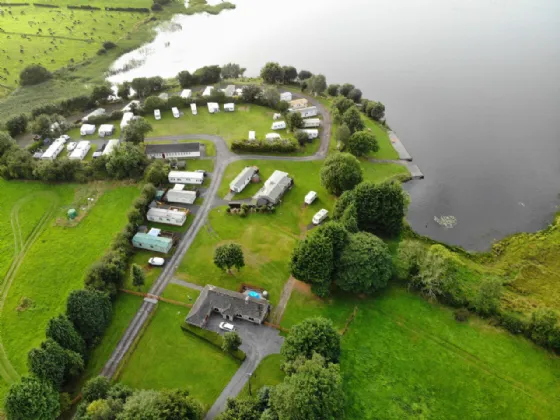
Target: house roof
<point>186,174</point>
<point>155,212</point>
<point>152,240</point>
<point>227,302</point>
<point>239,180</point>
<point>274,186</point>
<point>172,148</point>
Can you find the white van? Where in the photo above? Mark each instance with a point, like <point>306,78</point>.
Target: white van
<point>320,216</point>
<point>193,109</point>
<point>175,112</point>
<point>157,114</point>
<point>310,197</point>
<point>278,125</point>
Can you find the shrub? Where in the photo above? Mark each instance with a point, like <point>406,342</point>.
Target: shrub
<point>17,125</point>
<point>513,323</point>
<point>33,75</point>
<point>462,314</point>
<point>90,311</point>
<point>31,398</point>
<point>108,45</point>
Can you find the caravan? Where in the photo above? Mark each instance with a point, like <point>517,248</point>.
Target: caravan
<point>186,93</point>
<point>87,130</point>
<point>184,177</point>
<point>312,133</point>
<point>127,117</point>
<point>106,130</point>
<point>213,107</point>
<point>278,125</point>
<point>320,216</point>
<point>193,109</point>
<point>81,150</point>
<point>175,112</point>
<point>311,123</point>
<point>229,107</point>
<point>157,114</point>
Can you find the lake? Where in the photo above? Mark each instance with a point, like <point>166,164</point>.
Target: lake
<point>472,89</point>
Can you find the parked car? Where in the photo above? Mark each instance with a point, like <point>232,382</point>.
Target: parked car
<point>226,326</point>
<point>156,261</point>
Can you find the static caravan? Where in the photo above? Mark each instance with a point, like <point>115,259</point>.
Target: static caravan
<point>311,123</point>
<point>276,116</point>
<point>252,136</point>
<point>185,177</point>
<point>208,91</point>
<point>278,125</point>
<point>157,114</point>
<point>131,104</point>
<point>87,129</point>
<point>213,107</point>
<point>152,242</point>
<point>96,113</point>
<point>81,150</point>
<point>127,117</point>
<point>175,112</point>
<point>243,179</point>
<point>193,109</point>
<point>178,194</point>
<point>286,96</point>
<point>273,136</point>
<point>111,145</point>
<point>186,93</point>
<point>311,111</point>
<point>310,197</point>
<point>312,133</point>
<point>229,107</point>
<point>54,150</point>
<point>174,150</point>
<point>229,90</point>
<point>106,130</point>
<point>320,216</point>
<point>298,103</point>
<point>167,216</point>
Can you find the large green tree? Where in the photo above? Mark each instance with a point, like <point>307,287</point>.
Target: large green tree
<point>361,143</point>
<point>54,364</point>
<point>343,134</point>
<point>126,161</point>
<point>138,276</point>
<point>313,335</point>
<point>186,79</point>
<point>142,405</point>
<point>272,73</point>
<point>294,121</point>
<point>208,75</point>
<point>355,95</point>
<point>32,399</point>
<point>90,311</point>
<point>6,143</point>
<point>136,130</point>
<point>332,90</point>
<point>153,102</point>
<point>342,104</point>
<point>61,330</point>
<point>16,125</point>
<point>96,388</point>
<point>353,119</point>
<point>313,392</point>
<point>365,264</point>
<point>251,93</point>
<point>345,89</point>
<point>17,163</point>
<point>228,256</point>
<point>317,83</point>
<point>290,74</point>
<point>157,172</point>
<point>176,404</point>
<point>33,75</point>
<point>340,172</point>
<point>313,261</point>
<point>232,71</point>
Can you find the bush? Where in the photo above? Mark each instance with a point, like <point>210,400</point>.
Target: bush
<point>31,398</point>
<point>212,338</point>
<point>156,7</point>
<point>33,75</point>
<point>513,323</point>
<point>462,314</point>
<point>17,125</point>
<point>108,45</point>
<point>90,311</point>
<point>101,51</point>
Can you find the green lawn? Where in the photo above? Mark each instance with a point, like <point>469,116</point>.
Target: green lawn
<point>55,263</point>
<point>267,373</point>
<point>167,357</point>
<point>205,164</point>
<point>386,150</point>
<point>415,361</point>
<point>180,293</point>
<point>74,133</point>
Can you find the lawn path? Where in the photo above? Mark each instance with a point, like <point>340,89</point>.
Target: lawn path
<point>7,371</point>
<point>283,302</point>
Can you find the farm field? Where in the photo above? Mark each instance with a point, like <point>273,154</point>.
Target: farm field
<point>167,357</point>
<point>52,260</point>
<point>415,360</point>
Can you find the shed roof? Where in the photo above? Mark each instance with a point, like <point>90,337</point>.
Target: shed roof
<point>227,302</point>
<point>274,186</point>
<point>172,148</point>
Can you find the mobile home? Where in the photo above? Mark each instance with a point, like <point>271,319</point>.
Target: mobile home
<point>185,177</point>
<point>273,136</point>
<point>229,107</point>
<point>193,109</point>
<point>312,133</point>
<point>311,123</point>
<point>298,103</point>
<point>311,111</point>
<point>173,150</point>
<point>243,179</point>
<point>175,112</point>
<point>87,129</point>
<point>229,90</point>
<point>106,130</point>
<point>320,216</point>
<point>96,113</point>
<point>130,105</point>
<point>286,96</point>
<point>278,125</point>
<point>167,216</point>
<point>213,107</point>
<point>81,150</point>
<point>54,149</point>
<point>252,135</point>
<point>178,194</point>
<point>208,91</point>
<point>186,93</point>
<point>111,144</point>
<point>127,117</point>
<point>152,242</point>
<point>157,114</point>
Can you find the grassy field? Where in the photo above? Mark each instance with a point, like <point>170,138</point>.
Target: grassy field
<point>50,256</point>
<point>415,361</point>
<point>167,357</point>
<point>267,373</point>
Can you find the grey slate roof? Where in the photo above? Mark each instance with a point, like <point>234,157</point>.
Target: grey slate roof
<point>274,187</point>
<point>172,148</point>
<point>227,302</point>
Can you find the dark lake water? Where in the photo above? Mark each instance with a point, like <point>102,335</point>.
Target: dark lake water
<point>472,88</point>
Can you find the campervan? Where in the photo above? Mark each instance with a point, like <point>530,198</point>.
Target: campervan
<point>320,216</point>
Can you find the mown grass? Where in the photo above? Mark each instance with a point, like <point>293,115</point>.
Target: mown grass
<point>415,361</point>
<point>180,293</point>
<point>167,357</point>
<point>267,373</point>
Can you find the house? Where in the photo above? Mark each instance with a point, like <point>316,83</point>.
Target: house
<point>229,304</point>
<point>127,117</point>
<point>311,111</point>
<point>178,194</point>
<point>311,123</point>
<point>152,241</point>
<point>87,129</point>
<point>273,136</point>
<point>167,216</point>
<point>173,150</point>
<point>111,145</point>
<point>96,113</point>
<point>273,189</point>
<point>185,177</point>
<point>193,109</point>
<point>81,150</point>
<point>163,96</point>
<point>175,112</point>
<point>229,107</point>
<point>229,90</point>
<point>213,107</point>
<point>131,104</point>
<point>186,93</point>
<point>106,130</point>
<point>208,91</point>
<point>298,103</point>
<point>252,136</point>
<point>312,133</point>
<point>243,179</point>
<point>278,125</point>
<point>54,149</point>
<point>286,96</point>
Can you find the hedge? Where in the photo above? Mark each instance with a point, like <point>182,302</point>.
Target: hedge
<point>128,9</point>
<point>51,6</point>
<point>213,338</point>
<point>84,7</point>
<point>281,145</point>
